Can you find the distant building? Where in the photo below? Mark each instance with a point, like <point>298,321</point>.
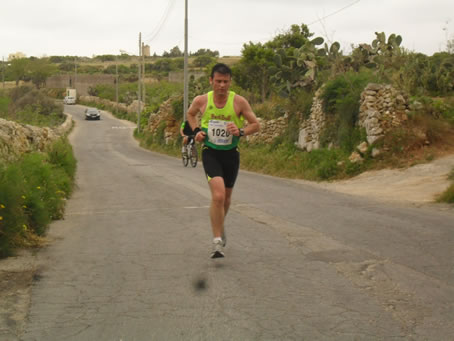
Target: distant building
<point>17,55</point>
<point>146,50</point>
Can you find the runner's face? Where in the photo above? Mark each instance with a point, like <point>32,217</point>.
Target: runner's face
<point>220,83</point>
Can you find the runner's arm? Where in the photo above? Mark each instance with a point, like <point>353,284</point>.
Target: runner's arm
<point>244,108</point>
<point>196,107</point>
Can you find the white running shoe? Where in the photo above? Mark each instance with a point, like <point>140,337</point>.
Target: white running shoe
<point>218,251</point>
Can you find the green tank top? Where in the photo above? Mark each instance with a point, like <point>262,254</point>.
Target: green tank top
<point>214,123</point>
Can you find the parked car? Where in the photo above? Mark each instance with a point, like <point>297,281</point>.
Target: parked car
<point>92,114</point>
<point>69,100</point>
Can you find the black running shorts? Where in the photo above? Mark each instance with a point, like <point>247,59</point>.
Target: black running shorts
<point>223,163</point>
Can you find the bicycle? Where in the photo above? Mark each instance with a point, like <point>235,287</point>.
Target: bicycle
<point>189,153</point>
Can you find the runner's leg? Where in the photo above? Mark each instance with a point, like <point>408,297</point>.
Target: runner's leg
<point>227,200</point>
<point>217,208</point>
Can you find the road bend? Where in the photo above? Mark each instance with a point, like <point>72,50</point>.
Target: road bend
<point>130,261</point>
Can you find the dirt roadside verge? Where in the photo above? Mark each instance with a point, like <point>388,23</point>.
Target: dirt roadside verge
<point>417,185</point>
<point>16,277</point>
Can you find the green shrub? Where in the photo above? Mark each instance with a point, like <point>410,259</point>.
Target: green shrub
<point>30,106</point>
<point>12,219</point>
<point>341,98</point>
<point>177,108</point>
<point>159,137</point>
<point>448,195</point>
<point>61,156</point>
<point>32,193</point>
<point>4,103</point>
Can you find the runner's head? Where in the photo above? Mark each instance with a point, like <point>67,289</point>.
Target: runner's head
<point>222,69</point>
<point>220,79</point>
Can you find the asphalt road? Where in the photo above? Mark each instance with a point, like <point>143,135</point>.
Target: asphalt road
<point>131,259</point>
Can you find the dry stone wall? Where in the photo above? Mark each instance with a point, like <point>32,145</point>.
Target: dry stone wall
<point>132,108</point>
<point>310,129</point>
<point>172,129</point>
<point>382,108</point>
<point>17,139</point>
<point>83,82</point>
<point>269,129</point>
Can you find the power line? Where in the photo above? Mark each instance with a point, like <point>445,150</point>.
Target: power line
<point>161,23</point>
<point>335,12</point>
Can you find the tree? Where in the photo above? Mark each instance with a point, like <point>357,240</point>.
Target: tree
<point>207,52</point>
<point>252,72</point>
<point>295,37</point>
<point>18,69</point>
<point>39,70</point>
<point>202,60</point>
<point>174,52</point>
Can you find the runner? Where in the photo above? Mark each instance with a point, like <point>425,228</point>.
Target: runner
<point>222,126</point>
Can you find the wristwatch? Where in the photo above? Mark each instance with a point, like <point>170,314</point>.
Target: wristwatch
<point>241,132</point>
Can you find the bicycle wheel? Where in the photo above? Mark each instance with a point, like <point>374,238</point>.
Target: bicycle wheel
<point>184,156</point>
<point>193,155</point>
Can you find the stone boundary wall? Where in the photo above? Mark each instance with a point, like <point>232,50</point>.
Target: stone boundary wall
<point>310,129</point>
<point>178,76</point>
<point>382,108</point>
<point>132,108</point>
<point>269,129</point>
<point>172,129</point>
<point>83,82</point>
<point>17,139</point>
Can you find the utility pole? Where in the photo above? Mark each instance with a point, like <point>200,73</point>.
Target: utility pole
<point>139,90</point>
<point>3,71</point>
<point>143,75</point>
<point>116,84</point>
<point>185,100</point>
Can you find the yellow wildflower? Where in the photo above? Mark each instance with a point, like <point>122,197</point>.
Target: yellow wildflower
<point>1,218</point>
<point>23,197</point>
<point>2,206</point>
<point>38,187</point>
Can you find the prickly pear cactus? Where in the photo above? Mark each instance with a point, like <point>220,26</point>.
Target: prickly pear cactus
<point>296,67</point>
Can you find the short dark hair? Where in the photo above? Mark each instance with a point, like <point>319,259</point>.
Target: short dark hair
<point>222,69</point>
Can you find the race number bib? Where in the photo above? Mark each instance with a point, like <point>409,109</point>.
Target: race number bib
<point>218,133</point>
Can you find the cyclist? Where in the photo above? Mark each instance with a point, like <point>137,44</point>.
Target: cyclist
<point>187,133</point>
<point>222,125</point>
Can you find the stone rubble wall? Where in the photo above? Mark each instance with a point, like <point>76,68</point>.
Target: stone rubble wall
<point>310,129</point>
<point>132,108</point>
<point>172,128</point>
<point>382,108</point>
<point>83,82</point>
<point>269,129</point>
<point>17,139</point>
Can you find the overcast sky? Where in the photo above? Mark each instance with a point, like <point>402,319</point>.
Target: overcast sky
<point>95,27</point>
